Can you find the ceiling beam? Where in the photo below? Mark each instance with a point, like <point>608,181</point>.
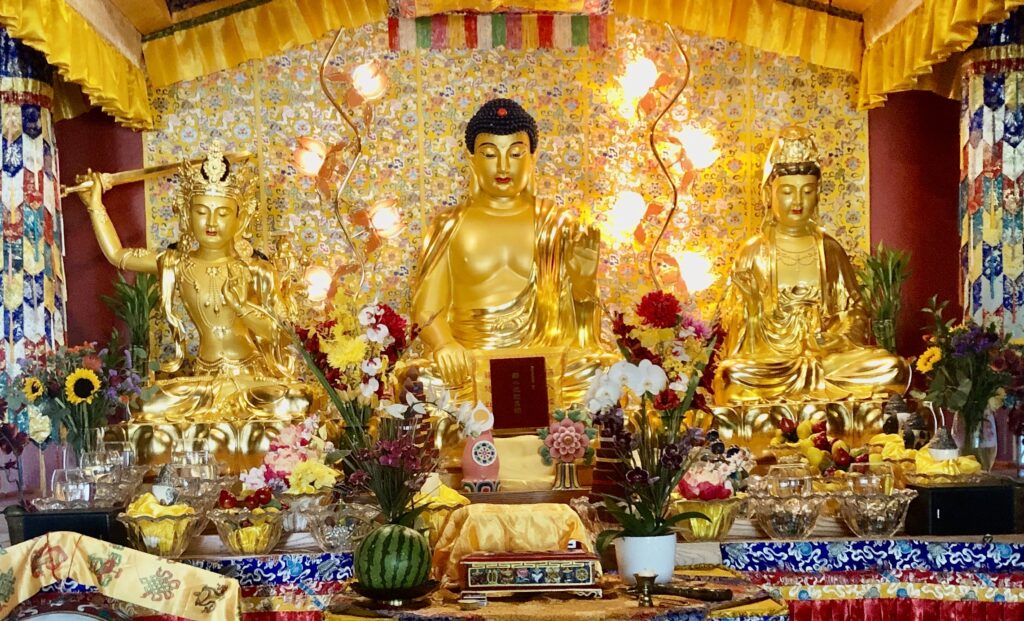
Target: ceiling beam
<point>146,15</point>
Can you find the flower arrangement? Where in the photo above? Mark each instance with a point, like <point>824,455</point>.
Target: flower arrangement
<point>353,356</point>
<point>300,461</point>
<point>79,389</point>
<point>567,438</point>
<point>717,473</point>
<point>968,367</point>
<point>881,287</point>
<point>666,350</point>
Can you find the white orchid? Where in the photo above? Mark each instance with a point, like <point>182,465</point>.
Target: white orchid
<point>648,378</point>
<point>377,334</point>
<point>399,410</point>
<point>680,385</point>
<point>369,387</point>
<point>372,367</point>
<point>622,373</point>
<point>368,315</point>
<point>439,397</point>
<point>474,419</point>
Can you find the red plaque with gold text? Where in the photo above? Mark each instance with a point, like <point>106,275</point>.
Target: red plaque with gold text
<point>519,393</point>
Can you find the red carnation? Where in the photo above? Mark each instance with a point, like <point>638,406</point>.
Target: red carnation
<point>659,309</point>
<point>665,400</point>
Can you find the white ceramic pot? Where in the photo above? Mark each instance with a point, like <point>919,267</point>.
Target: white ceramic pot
<point>646,554</point>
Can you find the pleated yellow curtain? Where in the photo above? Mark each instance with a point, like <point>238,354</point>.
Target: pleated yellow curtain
<point>254,33</point>
<point>815,36</point>
<point>81,56</point>
<point>904,58</point>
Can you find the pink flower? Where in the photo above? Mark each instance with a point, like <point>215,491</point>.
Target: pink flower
<point>290,436</point>
<point>283,460</point>
<point>705,482</point>
<point>567,441</point>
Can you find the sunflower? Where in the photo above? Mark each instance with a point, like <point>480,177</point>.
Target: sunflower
<point>32,388</point>
<point>928,359</point>
<point>81,386</point>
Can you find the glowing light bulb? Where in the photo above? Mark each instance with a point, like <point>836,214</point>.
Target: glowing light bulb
<point>640,76</point>
<point>625,215</point>
<point>309,156</point>
<point>385,218</point>
<point>368,81</point>
<point>318,282</point>
<point>695,269</point>
<point>699,146</point>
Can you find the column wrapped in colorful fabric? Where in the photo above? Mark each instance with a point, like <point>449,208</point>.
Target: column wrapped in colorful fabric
<point>992,176</point>
<point>33,283</point>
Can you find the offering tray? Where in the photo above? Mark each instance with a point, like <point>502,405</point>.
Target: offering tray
<point>919,479</point>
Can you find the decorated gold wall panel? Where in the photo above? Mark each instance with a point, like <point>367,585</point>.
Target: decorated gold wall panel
<point>589,150</point>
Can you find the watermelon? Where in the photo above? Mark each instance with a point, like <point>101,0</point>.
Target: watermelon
<point>393,557</point>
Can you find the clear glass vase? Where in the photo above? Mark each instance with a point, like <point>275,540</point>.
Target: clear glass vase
<point>981,440</point>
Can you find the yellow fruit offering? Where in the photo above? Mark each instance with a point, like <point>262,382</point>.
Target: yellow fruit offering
<point>160,536</point>
<point>804,429</point>
<point>839,444</point>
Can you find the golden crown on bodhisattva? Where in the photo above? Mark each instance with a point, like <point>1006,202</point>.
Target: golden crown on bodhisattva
<point>214,177</point>
<point>793,145</point>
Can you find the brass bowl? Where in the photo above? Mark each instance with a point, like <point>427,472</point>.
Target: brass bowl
<point>167,536</point>
<point>720,513</point>
<point>247,532</point>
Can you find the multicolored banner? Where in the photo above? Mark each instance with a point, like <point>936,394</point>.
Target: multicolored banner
<point>515,31</point>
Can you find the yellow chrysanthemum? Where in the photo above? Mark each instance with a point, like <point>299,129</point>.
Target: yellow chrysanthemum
<point>342,352</point>
<point>32,388</point>
<point>652,337</point>
<point>310,476</point>
<point>81,386</point>
<point>928,359</point>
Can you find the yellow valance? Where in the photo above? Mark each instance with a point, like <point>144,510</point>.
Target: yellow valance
<point>81,56</point>
<point>903,58</point>
<point>253,33</point>
<point>815,36</point>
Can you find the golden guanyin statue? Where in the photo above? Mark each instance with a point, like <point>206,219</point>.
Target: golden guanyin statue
<point>796,328</point>
<point>506,270</point>
<point>243,370</point>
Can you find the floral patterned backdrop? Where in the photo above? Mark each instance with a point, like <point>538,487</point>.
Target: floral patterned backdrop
<point>589,151</point>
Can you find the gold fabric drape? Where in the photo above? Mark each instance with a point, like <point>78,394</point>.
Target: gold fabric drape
<point>81,56</point>
<point>770,25</point>
<point>904,58</point>
<point>253,33</point>
<point>120,573</point>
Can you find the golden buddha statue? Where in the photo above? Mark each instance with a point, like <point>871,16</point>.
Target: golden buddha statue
<point>243,368</point>
<point>795,325</point>
<point>507,271</point>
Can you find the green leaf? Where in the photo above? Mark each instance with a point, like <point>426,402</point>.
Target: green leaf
<point>605,538</point>
<point>687,515</point>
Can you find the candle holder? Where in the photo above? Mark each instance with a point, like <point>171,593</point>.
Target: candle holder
<point>644,585</point>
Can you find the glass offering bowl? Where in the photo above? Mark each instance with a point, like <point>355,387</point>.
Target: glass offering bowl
<point>249,532</point>
<point>720,513</point>
<point>790,517</point>
<point>167,536</point>
<point>875,514</point>
<point>300,506</point>
<point>340,528</point>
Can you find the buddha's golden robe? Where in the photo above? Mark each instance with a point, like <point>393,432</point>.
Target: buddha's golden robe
<point>807,341</point>
<point>254,383</point>
<point>547,313</point>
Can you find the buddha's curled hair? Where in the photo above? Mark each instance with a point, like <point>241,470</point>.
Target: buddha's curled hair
<point>501,117</point>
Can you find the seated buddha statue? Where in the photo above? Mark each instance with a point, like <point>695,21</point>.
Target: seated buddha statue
<point>243,367</point>
<point>506,270</point>
<point>795,324</point>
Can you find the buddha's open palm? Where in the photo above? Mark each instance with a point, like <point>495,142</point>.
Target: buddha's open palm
<point>454,363</point>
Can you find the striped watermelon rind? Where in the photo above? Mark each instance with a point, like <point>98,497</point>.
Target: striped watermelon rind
<point>393,557</point>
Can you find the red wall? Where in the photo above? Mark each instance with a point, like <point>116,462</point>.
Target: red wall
<point>95,141</point>
<point>915,171</point>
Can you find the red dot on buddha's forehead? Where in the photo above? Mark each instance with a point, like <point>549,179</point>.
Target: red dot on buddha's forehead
<point>502,112</point>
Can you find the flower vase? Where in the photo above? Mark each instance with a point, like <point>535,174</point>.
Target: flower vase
<point>646,554</point>
<point>480,467</point>
<point>565,476</point>
<point>980,441</point>
<point>884,331</point>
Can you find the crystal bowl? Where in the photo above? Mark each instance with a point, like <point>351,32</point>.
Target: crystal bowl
<point>167,536</point>
<point>249,532</point>
<point>300,506</point>
<point>340,528</point>
<point>875,515</point>
<point>790,517</point>
<point>720,513</point>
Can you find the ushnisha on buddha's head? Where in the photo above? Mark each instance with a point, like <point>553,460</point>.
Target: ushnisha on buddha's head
<point>501,139</point>
<point>792,175</point>
<point>214,205</point>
